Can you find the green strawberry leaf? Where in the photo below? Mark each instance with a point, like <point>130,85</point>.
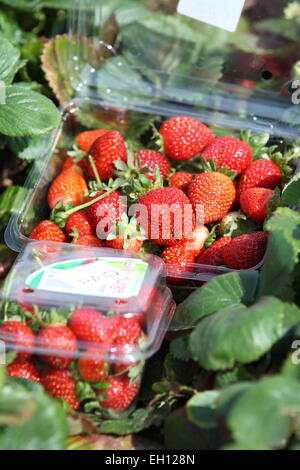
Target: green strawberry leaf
<point>10,202</point>
<point>32,420</point>
<point>237,334</point>
<point>282,253</point>
<point>131,89</point>
<point>230,290</point>
<point>179,348</point>
<point>139,420</point>
<point>30,148</point>
<point>267,413</point>
<point>55,58</point>
<point>9,61</point>
<point>291,192</point>
<point>9,29</point>
<point>201,409</point>
<point>27,113</point>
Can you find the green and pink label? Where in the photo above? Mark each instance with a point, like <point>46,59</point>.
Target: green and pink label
<point>102,277</point>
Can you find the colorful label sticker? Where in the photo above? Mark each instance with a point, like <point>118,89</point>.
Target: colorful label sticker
<point>102,277</point>
<point>223,14</point>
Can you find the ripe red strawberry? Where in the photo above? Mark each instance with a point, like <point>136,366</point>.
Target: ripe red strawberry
<point>91,326</point>
<point>24,370</point>
<point>229,152</point>
<point>181,180</point>
<point>86,139</point>
<point>79,223</point>
<point>108,210</point>
<point>68,186</point>
<point>57,345</point>
<point>167,216</point>
<point>212,195</point>
<point>105,151</point>
<point>89,240</point>
<point>119,395</point>
<point>246,251</point>
<point>133,245</point>
<point>91,368</point>
<point>18,336</point>
<point>128,331</point>
<point>213,256</point>
<point>178,254</point>
<point>184,137</point>
<point>47,230</point>
<point>150,159</point>
<point>60,384</point>
<point>255,201</point>
<point>260,174</point>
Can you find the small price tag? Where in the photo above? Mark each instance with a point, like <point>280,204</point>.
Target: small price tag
<point>224,14</point>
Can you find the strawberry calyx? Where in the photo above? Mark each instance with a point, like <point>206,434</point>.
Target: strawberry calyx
<point>132,179</point>
<point>76,153</point>
<point>211,239</point>
<point>158,139</point>
<point>128,229</point>
<point>45,318</point>
<point>208,166</point>
<point>258,143</point>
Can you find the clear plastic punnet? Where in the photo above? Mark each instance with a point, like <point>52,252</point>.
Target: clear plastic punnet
<point>86,316</point>
<point>131,63</point>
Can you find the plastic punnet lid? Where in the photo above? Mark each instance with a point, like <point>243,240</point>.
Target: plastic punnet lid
<point>51,281</point>
<point>136,53</point>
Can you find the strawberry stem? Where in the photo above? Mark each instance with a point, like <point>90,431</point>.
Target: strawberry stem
<point>66,215</point>
<point>95,171</point>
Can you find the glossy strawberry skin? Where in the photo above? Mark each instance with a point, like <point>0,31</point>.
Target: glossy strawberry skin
<point>57,338</point>
<point>109,208</point>
<point>255,201</point>
<point>184,137</point>
<point>47,230</point>
<point>105,151</point>
<point>212,195</point>
<point>17,334</point>
<point>150,159</point>
<point>89,240</point>
<point>260,174</point>
<point>91,368</point>
<point>181,180</point>
<point>68,186</point>
<point>60,384</point>
<point>246,251</point>
<point>156,205</point>
<point>90,326</point>
<point>178,254</point>
<point>81,223</point>
<point>25,370</point>
<point>86,139</point>
<point>213,256</point>
<point>128,331</point>
<point>119,395</point>
<point>134,245</point>
<point>229,152</point>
